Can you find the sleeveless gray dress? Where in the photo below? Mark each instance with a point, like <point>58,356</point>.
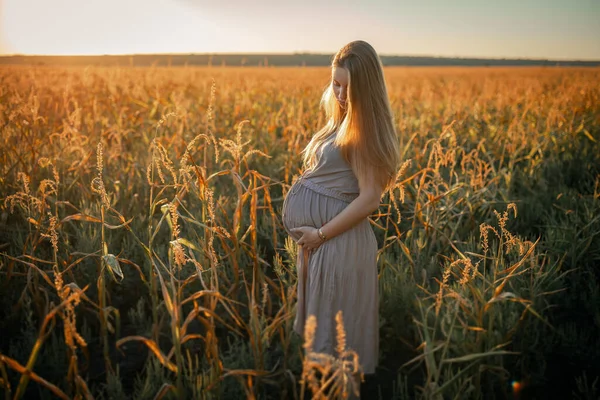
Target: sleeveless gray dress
<point>342,273</point>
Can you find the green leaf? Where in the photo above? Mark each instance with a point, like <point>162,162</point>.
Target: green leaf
<point>589,136</point>
<point>186,243</point>
<point>113,266</point>
<point>474,356</point>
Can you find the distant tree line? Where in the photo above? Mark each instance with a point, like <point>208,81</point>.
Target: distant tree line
<point>270,60</point>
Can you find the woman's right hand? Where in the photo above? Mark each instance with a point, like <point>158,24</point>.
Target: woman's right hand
<point>309,239</point>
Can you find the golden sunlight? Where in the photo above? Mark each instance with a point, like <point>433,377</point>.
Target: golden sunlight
<point>73,27</point>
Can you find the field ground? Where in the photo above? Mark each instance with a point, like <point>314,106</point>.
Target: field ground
<point>142,252</point>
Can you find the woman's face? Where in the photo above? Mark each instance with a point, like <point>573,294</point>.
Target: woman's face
<point>339,83</point>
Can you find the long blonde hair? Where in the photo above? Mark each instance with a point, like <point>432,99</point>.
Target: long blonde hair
<point>365,128</point>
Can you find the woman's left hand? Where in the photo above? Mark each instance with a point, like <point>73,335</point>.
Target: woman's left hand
<point>309,239</point>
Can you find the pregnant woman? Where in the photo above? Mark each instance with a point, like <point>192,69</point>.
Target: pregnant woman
<point>348,165</point>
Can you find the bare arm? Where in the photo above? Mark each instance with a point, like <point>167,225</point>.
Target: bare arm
<point>360,208</point>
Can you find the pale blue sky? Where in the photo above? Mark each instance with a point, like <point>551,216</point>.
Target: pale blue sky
<point>556,29</point>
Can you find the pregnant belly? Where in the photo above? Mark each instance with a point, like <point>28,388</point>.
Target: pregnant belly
<point>305,207</point>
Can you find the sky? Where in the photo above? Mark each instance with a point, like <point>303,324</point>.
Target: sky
<point>548,29</point>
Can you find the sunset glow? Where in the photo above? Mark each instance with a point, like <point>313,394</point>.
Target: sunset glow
<point>534,29</point>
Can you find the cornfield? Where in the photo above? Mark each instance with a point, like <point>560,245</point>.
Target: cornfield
<point>142,253</point>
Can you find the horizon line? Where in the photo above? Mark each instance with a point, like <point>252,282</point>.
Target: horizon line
<point>387,55</point>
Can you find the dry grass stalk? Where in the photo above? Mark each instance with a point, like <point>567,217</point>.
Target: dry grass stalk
<point>330,376</point>
<point>449,175</point>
